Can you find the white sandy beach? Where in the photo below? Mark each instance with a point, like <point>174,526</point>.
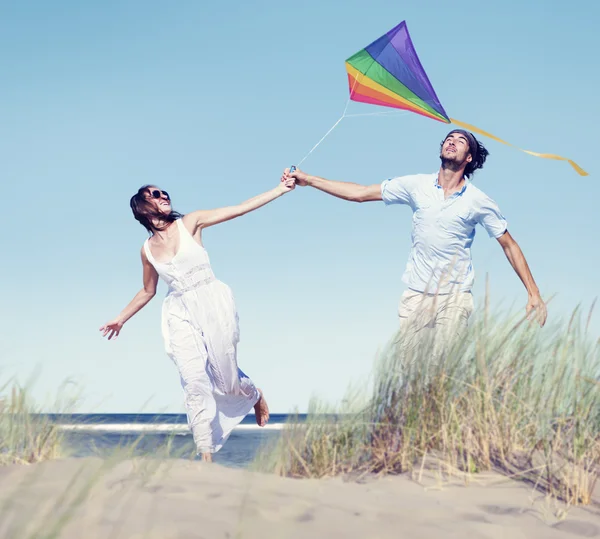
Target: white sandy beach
<point>183,499</point>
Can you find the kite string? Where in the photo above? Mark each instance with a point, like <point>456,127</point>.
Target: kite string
<point>322,139</point>
<point>344,115</point>
<point>333,126</point>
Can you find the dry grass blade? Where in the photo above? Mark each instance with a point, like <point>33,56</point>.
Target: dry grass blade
<point>26,435</point>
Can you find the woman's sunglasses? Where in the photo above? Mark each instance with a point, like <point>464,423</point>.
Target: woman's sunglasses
<point>157,194</point>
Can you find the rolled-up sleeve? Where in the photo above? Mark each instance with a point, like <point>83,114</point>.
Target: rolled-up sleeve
<point>397,190</point>
<point>490,217</point>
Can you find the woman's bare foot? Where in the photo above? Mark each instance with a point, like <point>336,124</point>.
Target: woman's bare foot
<point>261,411</point>
<point>207,457</point>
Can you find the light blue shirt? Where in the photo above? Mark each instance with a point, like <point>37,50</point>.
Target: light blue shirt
<point>443,231</point>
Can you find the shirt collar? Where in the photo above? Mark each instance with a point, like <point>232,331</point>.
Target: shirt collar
<point>457,193</point>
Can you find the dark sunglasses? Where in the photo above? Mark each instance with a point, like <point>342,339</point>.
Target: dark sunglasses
<point>157,194</point>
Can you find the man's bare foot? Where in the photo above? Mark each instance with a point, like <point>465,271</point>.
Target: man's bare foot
<point>261,411</point>
<point>207,457</point>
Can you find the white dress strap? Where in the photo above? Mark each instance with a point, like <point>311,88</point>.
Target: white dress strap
<point>183,231</point>
<point>148,253</point>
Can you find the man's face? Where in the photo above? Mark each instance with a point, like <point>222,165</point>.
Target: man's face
<point>456,149</point>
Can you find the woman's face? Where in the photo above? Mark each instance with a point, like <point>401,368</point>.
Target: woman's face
<point>160,199</point>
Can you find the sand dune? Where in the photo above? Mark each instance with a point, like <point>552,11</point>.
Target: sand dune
<point>91,498</point>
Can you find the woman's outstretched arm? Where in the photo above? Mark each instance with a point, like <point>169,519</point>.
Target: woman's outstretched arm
<point>140,300</point>
<point>206,218</point>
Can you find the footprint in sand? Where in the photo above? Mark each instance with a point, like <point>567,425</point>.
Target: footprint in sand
<point>577,527</point>
<point>476,518</point>
<point>502,510</point>
<point>306,516</point>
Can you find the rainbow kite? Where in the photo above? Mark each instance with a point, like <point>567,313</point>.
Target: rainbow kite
<point>388,73</point>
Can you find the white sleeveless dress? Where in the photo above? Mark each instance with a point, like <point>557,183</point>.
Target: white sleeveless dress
<point>201,332</point>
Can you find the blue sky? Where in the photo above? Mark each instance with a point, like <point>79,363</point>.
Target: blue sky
<point>211,101</point>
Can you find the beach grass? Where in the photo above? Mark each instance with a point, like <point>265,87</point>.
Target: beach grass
<point>26,435</point>
<point>506,397</point>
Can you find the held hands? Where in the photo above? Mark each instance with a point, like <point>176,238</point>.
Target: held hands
<point>286,184</point>
<point>112,328</point>
<point>299,177</point>
<point>536,310</point>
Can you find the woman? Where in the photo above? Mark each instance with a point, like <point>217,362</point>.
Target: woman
<point>199,317</point>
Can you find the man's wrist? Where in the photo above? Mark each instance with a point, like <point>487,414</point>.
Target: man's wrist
<point>533,293</point>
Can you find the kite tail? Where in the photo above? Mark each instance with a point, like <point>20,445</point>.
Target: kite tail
<point>577,168</point>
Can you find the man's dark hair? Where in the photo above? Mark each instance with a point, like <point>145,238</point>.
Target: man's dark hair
<point>477,150</point>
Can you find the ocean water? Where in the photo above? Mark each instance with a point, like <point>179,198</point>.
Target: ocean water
<point>152,434</point>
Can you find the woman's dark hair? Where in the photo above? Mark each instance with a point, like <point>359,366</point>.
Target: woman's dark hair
<point>477,150</point>
<point>145,212</point>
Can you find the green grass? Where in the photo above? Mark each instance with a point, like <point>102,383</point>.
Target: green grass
<point>507,397</point>
<point>25,436</point>
<point>28,437</point>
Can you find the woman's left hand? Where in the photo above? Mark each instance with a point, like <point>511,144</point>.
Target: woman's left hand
<point>287,184</point>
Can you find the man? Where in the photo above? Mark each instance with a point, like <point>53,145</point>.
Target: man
<point>446,209</point>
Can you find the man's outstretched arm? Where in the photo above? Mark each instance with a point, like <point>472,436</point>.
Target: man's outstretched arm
<point>353,192</point>
<point>517,261</point>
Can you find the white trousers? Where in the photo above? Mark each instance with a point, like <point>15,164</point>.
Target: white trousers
<point>432,322</point>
